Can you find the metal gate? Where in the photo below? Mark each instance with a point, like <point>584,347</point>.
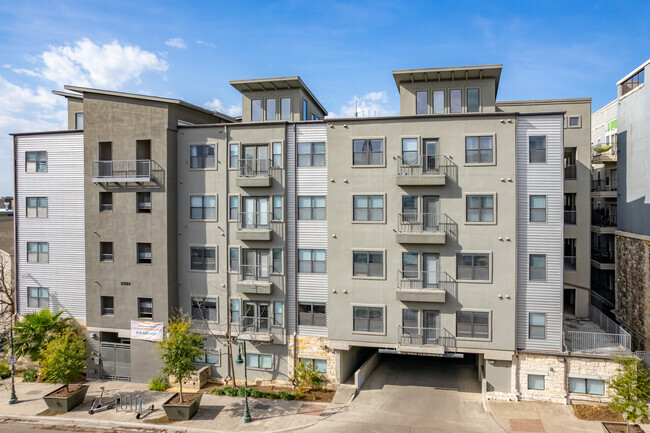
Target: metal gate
<point>116,361</point>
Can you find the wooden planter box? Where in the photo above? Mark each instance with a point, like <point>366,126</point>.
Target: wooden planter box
<point>66,404</point>
<point>195,381</point>
<point>634,428</point>
<point>182,412</point>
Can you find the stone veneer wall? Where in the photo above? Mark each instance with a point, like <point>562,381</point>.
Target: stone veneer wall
<point>312,347</point>
<point>632,288</point>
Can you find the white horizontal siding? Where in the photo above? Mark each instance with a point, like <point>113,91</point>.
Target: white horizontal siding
<point>312,234</point>
<point>63,229</point>
<point>312,181</point>
<point>312,287</point>
<point>540,238</point>
<point>291,233</point>
<point>314,331</point>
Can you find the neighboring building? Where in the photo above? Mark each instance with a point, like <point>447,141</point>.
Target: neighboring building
<point>633,223</point>
<point>6,272</point>
<point>603,206</point>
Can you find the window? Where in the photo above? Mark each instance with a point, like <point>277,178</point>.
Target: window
<point>38,252</point>
<point>311,207</point>
<point>409,208</point>
<point>255,360</point>
<point>38,297</point>
<point>473,266</point>
<point>438,102</point>
<point>256,110</point>
<point>203,207</point>
<point>472,324</point>
<point>368,208</point>
<point>36,207</point>
<point>202,156</point>
<point>570,254</point>
<point>579,385</point>
<point>234,310</point>
<point>538,208</point>
<point>479,150</point>
<point>204,309</point>
<point>203,258</point>
<point>311,314</point>
<point>368,152</point>
<point>311,154</point>
<point>633,82</point>
<point>480,208</point>
<point>304,110</point>
<point>78,121</point>
<point>473,102</point>
<point>537,326</point>
<point>570,208</point>
<point>145,308</point>
<point>144,253</point>
<point>368,319</point>
<point>537,268</point>
<point>36,162</point>
<point>536,382</point>
<point>234,259</point>
<point>410,265</point>
<point>107,305</point>
<point>537,149</point>
<point>277,261</point>
<point>106,251</point>
<point>409,320</point>
<point>311,261</point>
<point>209,356</point>
<point>276,149</point>
<point>410,151</point>
<point>270,109</point>
<point>285,108</point>
<point>422,102</point>
<point>574,122</point>
<point>233,207</point>
<point>318,365</point>
<point>143,200</point>
<point>277,207</point>
<point>105,201</point>
<point>455,101</point>
<point>368,264</point>
<point>234,155</point>
<point>278,313</point>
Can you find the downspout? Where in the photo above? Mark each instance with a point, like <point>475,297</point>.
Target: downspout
<point>295,243</point>
<point>14,280</point>
<point>517,393</point>
<point>566,380</point>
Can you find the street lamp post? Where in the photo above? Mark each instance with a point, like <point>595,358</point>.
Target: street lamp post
<point>12,398</point>
<point>242,348</point>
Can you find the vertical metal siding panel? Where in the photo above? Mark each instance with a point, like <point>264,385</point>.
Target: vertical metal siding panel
<point>540,238</point>
<point>291,235</point>
<point>63,185</point>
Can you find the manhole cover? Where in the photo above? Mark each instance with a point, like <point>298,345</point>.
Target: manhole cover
<point>529,425</point>
<point>312,409</point>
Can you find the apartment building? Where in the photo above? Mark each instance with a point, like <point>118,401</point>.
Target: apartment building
<point>457,228</point>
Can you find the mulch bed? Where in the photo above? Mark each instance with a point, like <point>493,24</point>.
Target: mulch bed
<point>593,412</point>
<point>323,395</point>
<point>64,393</point>
<point>621,428</point>
<point>188,399</point>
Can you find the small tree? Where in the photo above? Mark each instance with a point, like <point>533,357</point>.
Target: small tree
<point>306,377</point>
<point>631,389</point>
<point>179,349</point>
<point>36,330</point>
<point>64,358</point>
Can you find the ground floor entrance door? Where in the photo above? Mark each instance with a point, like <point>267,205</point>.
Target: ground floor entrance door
<point>115,361</point>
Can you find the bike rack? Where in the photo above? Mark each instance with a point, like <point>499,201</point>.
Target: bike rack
<point>140,413</point>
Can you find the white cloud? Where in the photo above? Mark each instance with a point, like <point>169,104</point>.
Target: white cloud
<point>176,43</point>
<point>85,63</point>
<point>216,105</point>
<point>207,44</point>
<point>369,105</point>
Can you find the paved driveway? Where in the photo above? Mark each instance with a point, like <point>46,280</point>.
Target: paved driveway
<point>416,394</point>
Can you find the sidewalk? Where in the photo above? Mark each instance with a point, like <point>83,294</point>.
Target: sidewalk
<point>217,413</point>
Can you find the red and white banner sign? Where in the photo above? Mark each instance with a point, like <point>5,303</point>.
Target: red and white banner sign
<point>150,331</point>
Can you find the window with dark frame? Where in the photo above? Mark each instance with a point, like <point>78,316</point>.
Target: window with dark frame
<point>233,157</point>
<point>368,208</point>
<point>143,199</point>
<point>203,258</point>
<point>38,297</point>
<point>38,252</point>
<point>479,149</point>
<point>105,201</point>
<point>537,149</point>
<point>36,162</point>
<point>107,305</point>
<point>78,121</point>
<point>480,208</point>
<point>472,266</point>
<point>311,207</point>
<point>204,309</point>
<point>36,207</point>
<point>233,207</point>
<point>472,324</point>
<point>311,314</point>
<point>106,251</point>
<point>234,259</point>
<point>311,154</point>
<point>422,102</point>
<point>312,261</point>
<point>202,156</point>
<point>368,152</point>
<point>537,326</point>
<point>144,253</point>
<point>368,319</point>
<point>473,100</point>
<point>203,207</point>
<point>145,308</point>
<point>368,263</point>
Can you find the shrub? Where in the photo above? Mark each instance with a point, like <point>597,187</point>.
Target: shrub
<point>64,358</point>
<point>230,391</point>
<point>255,393</point>
<point>241,392</point>
<point>284,395</point>
<point>271,395</point>
<point>158,383</point>
<point>30,375</point>
<point>631,389</point>
<point>306,377</point>
<point>36,330</point>
<point>217,391</point>
<point>315,397</point>
<point>5,370</point>
<point>298,395</point>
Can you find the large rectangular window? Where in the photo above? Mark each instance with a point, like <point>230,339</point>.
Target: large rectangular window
<point>368,152</point>
<point>36,207</point>
<point>204,309</point>
<point>455,101</point>
<point>479,150</point>
<point>38,252</point>
<point>38,297</point>
<point>579,385</point>
<point>202,156</point>
<point>537,267</point>
<point>256,110</point>
<point>311,314</point>
<point>270,109</point>
<point>537,326</point>
<point>473,101</point>
<point>480,208</point>
<point>538,208</point>
<point>145,308</point>
<point>203,207</point>
<point>422,102</point>
<point>536,382</point>
<point>368,208</point>
<point>318,365</point>
<point>438,102</point>
<point>472,324</point>
<point>203,258</point>
<point>537,149</point>
<point>311,154</point>
<point>254,360</point>
<point>311,207</point>
<point>144,253</point>
<point>368,319</point>
<point>473,266</point>
<point>36,162</point>
<point>368,263</point>
<point>312,261</point>
<point>285,108</point>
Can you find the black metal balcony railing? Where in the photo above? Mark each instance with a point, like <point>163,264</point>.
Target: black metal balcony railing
<point>415,165</point>
<point>423,280</point>
<point>131,170</point>
<point>254,324</point>
<point>602,220</point>
<point>570,216</point>
<point>424,223</point>
<point>603,185</point>
<point>570,171</point>
<point>602,256</point>
<point>420,336</point>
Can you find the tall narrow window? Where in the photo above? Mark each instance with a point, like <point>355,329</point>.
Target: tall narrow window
<point>277,207</point>
<point>277,154</point>
<point>234,155</point>
<point>143,202</point>
<point>144,253</point>
<point>455,101</point>
<point>107,305</point>
<point>438,102</point>
<point>537,267</point>
<point>537,149</point>
<point>145,308</point>
<point>537,326</point>
<point>105,201</point>
<point>570,254</point>
<point>422,102</point>
<point>410,151</point>
<point>304,110</point>
<point>473,102</point>
<point>234,310</point>
<point>278,313</point>
<point>256,110</point>
<point>234,259</point>
<point>233,207</point>
<point>78,121</point>
<point>285,108</point>
<point>106,251</point>
<point>537,208</point>
<point>277,261</point>
<point>270,109</point>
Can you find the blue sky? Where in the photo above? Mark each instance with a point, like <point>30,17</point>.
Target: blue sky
<point>342,50</point>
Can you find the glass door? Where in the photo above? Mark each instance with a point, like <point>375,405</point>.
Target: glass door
<point>430,217</point>
<point>431,325</point>
<point>430,262</point>
<point>430,151</point>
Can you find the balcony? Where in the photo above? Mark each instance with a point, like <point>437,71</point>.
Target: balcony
<point>435,341</point>
<point>570,172</point>
<point>597,335</point>
<point>253,173</point>
<point>423,228</point>
<point>255,279</point>
<point>424,286</point>
<point>603,223</point>
<point>424,170</point>
<point>570,263</point>
<point>604,155</point>
<point>123,171</point>
<point>254,226</point>
<point>570,217</point>
<point>603,260</point>
<point>255,328</point>
<point>603,188</point>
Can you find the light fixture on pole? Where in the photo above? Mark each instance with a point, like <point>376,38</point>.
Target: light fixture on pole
<point>12,398</point>
<point>242,348</point>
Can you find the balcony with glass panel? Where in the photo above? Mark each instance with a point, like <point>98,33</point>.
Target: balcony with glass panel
<point>424,285</point>
<point>255,279</point>
<point>422,228</point>
<point>254,226</point>
<point>140,171</point>
<point>254,173</point>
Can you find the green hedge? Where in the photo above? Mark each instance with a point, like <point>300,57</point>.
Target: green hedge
<point>256,393</point>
